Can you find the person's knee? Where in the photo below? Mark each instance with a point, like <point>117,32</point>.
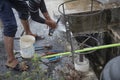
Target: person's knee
<point>10,30</point>
<point>8,20</point>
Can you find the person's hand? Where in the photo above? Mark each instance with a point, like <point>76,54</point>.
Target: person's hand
<point>51,23</point>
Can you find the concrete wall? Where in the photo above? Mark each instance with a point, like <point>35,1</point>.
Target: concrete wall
<point>95,22</point>
<point>88,23</point>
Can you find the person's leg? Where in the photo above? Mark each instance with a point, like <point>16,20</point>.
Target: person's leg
<point>11,61</point>
<point>10,29</point>
<point>23,11</point>
<point>26,26</point>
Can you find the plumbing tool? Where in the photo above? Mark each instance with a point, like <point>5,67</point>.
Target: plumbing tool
<point>55,58</point>
<point>43,48</point>
<point>51,30</point>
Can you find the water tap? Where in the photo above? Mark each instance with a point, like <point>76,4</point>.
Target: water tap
<point>51,30</point>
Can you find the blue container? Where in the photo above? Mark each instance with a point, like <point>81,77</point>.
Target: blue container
<point>55,58</point>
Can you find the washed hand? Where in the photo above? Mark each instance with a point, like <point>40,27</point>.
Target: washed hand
<point>51,23</point>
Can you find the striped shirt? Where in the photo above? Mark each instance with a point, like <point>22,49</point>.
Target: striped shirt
<point>34,6</point>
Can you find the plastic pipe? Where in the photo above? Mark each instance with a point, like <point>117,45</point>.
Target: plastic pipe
<point>84,50</point>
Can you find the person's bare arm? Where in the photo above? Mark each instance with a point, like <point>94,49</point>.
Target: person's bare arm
<point>34,11</point>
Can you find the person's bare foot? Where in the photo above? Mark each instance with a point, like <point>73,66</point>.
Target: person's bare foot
<point>12,63</point>
<point>18,66</point>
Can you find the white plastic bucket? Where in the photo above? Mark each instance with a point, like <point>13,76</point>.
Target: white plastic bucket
<point>82,66</point>
<point>26,46</point>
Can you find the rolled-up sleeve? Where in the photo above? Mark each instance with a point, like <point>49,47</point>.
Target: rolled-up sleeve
<point>34,11</point>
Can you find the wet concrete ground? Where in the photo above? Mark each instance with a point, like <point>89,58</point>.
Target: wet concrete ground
<point>36,28</point>
<point>41,30</point>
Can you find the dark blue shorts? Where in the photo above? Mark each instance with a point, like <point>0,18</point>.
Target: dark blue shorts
<point>21,7</point>
<point>8,18</point>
